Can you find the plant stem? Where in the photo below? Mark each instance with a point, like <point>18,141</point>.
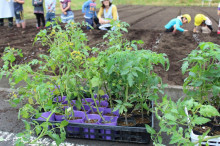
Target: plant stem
<point>126,99</point>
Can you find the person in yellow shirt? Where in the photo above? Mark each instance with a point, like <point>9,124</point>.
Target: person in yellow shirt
<point>109,11</point>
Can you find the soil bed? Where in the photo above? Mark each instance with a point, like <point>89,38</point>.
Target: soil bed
<point>146,23</point>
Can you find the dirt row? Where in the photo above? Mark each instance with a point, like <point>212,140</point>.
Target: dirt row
<point>146,23</point>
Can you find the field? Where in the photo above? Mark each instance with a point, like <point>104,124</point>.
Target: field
<point>146,23</point>
<point>77,4</point>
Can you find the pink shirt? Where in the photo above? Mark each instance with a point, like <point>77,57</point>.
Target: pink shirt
<point>65,4</point>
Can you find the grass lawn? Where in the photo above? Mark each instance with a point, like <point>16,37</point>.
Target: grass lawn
<point>77,4</point>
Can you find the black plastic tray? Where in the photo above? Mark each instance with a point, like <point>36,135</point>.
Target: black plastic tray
<point>103,132</point>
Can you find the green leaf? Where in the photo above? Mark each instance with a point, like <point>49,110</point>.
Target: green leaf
<point>37,129</point>
<point>124,72</point>
<point>208,111</point>
<point>185,66</point>
<point>150,129</point>
<point>200,120</point>
<point>101,92</point>
<point>126,104</point>
<point>130,79</point>
<point>95,81</point>
<point>63,123</point>
<point>160,139</point>
<point>170,117</point>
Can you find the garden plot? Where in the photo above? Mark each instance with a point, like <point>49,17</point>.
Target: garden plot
<point>147,24</point>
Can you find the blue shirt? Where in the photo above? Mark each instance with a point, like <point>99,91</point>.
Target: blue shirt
<point>175,21</point>
<point>89,8</point>
<point>18,7</point>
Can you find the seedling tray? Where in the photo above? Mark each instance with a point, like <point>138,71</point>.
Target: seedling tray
<point>104,132</point>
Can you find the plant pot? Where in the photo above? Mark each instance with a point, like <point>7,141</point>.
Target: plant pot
<point>72,102</point>
<point>108,112</point>
<point>75,130</point>
<point>91,130</point>
<point>88,100</point>
<point>211,142</point>
<point>59,99</point>
<point>111,121</point>
<point>105,97</point>
<point>195,137</point>
<point>59,117</point>
<point>87,107</point>
<point>66,105</point>
<point>103,104</point>
<point>94,110</point>
<point>46,115</point>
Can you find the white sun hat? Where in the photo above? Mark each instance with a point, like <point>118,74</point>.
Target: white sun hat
<point>109,1</point>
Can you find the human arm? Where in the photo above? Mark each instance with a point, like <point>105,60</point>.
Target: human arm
<point>68,7</point>
<point>178,26</point>
<point>195,29</point>
<point>85,5</point>
<point>61,6</point>
<point>101,20</point>
<point>114,13</point>
<point>19,1</point>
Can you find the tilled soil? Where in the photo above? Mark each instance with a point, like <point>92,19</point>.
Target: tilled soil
<point>146,23</point>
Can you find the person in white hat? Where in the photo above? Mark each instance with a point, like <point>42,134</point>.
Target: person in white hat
<point>6,11</point>
<point>109,11</point>
<point>218,32</point>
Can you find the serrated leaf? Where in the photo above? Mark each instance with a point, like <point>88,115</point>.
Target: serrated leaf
<point>95,81</point>
<point>170,117</point>
<point>184,67</point>
<point>101,92</point>
<point>130,79</point>
<point>37,129</point>
<point>200,120</point>
<point>208,111</point>
<point>63,123</point>
<point>150,129</point>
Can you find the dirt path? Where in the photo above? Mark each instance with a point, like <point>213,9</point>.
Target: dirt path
<point>146,23</point>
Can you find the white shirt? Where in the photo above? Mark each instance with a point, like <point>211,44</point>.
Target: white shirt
<point>208,21</point>
<point>6,8</point>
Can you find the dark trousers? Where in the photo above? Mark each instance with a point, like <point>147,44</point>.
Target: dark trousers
<point>40,17</point>
<point>170,29</point>
<point>91,22</point>
<point>10,22</point>
<point>210,27</point>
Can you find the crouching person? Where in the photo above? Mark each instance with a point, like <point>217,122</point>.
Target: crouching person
<point>110,12</point>
<point>174,24</point>
<point>89,11</point>
<point>202,23</point>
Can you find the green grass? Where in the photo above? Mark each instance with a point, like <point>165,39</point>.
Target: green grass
<point>77,4</point>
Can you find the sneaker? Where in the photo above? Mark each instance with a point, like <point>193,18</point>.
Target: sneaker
<point>218,32</point>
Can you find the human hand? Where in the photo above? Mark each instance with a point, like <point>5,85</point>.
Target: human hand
<point>64,13</point>
<point>102,21</point>
<point>174,31</point>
